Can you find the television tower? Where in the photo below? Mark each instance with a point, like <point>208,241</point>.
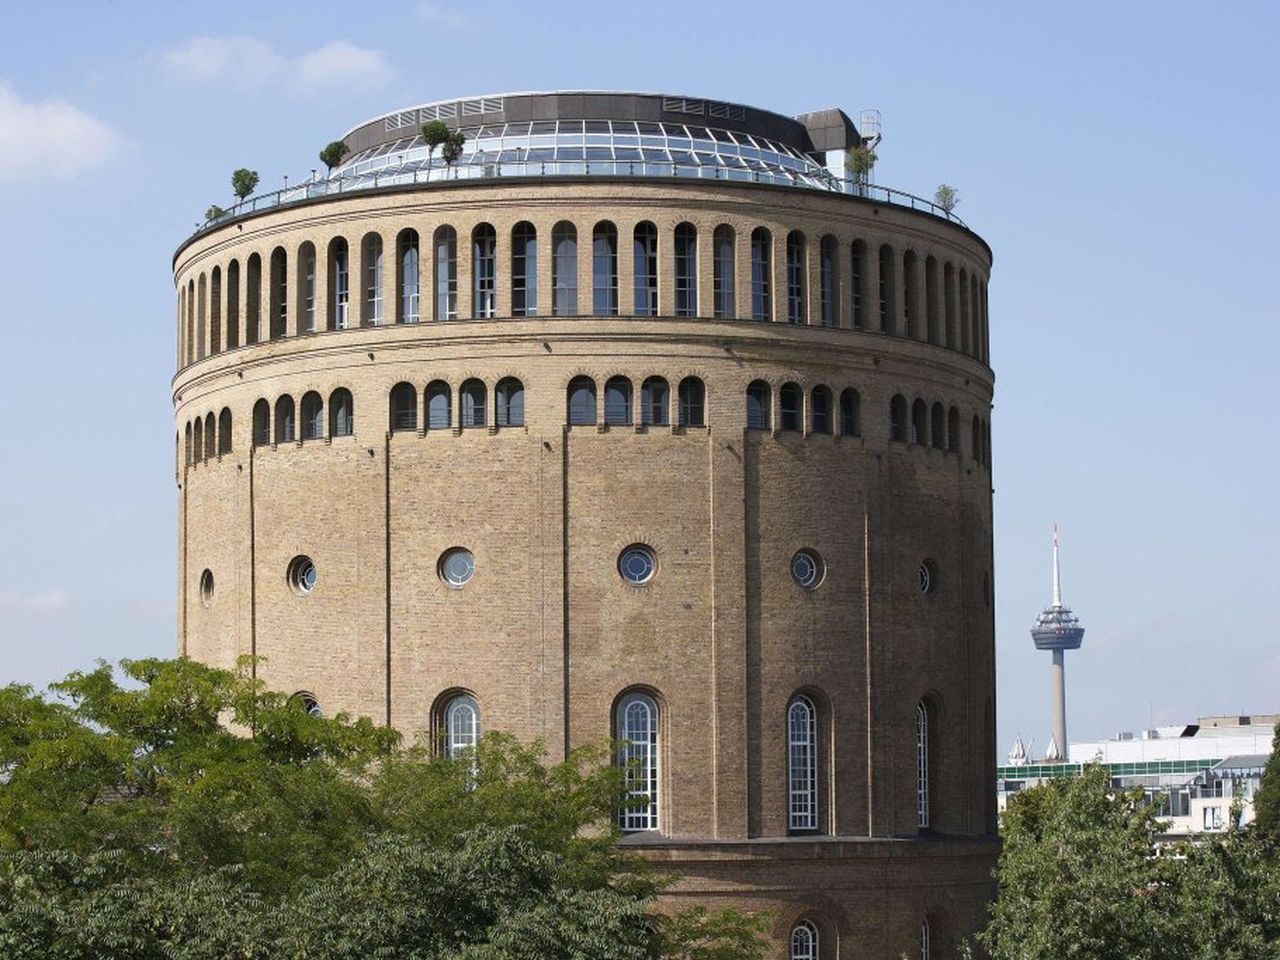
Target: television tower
<point>1058,630</point>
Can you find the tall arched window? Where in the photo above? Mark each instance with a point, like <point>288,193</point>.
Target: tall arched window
<point>564,270</point>
<point>636,725</point>
<point>646,269</point>
<point>887,289</point>
<point>286,430</point>
<point>224,431</point>
<point>446,260</point>
<point>617,401</point>
<point>827,307</point>
<point>473,395</point>
<point>911,313</point>
<point>210,436</point>
<point>404,407</point>
<point>898,418</point>
<point>686,279</point>
<point>949,305</point>
<point>524,270</point>
<point>305,285</point>
<point>953,430</point>
<point>484,272</point>
<point>655,402</point>
<point>804,941</point>
<point>253,298</point>
<point>186,449</point>
<point>850,413</point>
<point>407,275</point>
<point>820,409</point>
<point>922,765</point>
<point>761,274</point>
<point>925,946</point>
<point>261,423</point>
<point>200,341</point>
<point>604,270</point>
<point>582,401</point>
<point>339,285</point>
<point>215,310</point>
<point>439,405</point>
<point>932,313</point>
<point>461,722</point>
<point>919,422</point>
<point>797,278</point>
<point>233,304</point>
<point>197,441</point>
<point>962,295</point>
<point>341,413</point>
<point>278,319</point>
<point>692,403</point>
<point>790,400</point>
<point>312,416</point>
<point>975,314</point>
<point>802,765</point>
<point>758,404</point>
<point>723,270</point>
<point>508,397</point>
<point>938,426</point>
<point>857,271</point>
<point>371,265</point>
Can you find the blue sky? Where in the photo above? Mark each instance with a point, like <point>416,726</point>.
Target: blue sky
<point>1119,158</point>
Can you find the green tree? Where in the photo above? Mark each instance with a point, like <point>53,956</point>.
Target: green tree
<point>243,182</point>
<point>946,197</point>
<point>1266,803</point>
<point>434,134</point>
<point>332,154</point>
<point>214,212</point>
<point>451,149</point>
<point>860,162</point>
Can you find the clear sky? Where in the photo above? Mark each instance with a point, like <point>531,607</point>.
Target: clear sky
<point>1120,158</point>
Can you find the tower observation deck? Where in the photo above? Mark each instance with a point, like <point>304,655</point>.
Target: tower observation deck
<point>1058,629</point>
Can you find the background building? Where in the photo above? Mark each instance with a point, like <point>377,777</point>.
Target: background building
<point>635,421</point>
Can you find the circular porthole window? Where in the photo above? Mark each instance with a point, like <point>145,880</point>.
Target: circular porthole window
<point>457,567</point>
<point>637,564</point>
<point>928,578</point>
<point>206,587</point>
<point>807,569</point>
<point>302,575</point>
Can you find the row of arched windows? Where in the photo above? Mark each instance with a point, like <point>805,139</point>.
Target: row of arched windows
<point>437,412</point>
<point>935,301</point>
<point>620,409</point>
<point>207,437</point>
<point>286,422</point>
<point>938,427</point>
<point>823,415</point>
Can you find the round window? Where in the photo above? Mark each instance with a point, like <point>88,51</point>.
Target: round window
<point>302,575</point>
<point>457,567</point>
<point>206,587</point>
<point>807,568</point>
<point>309,703</point>
<point>927,577</point>
<point>637,564</point>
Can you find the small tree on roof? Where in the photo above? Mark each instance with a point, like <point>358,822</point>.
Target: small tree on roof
<point>434,134</point>
<point>332,155</point>
<point>946,196</point>
<point>243,182</point>
<point>452,148</point>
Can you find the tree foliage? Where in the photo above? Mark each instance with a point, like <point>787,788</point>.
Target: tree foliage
<point>946,196</point>
<point>214,212</point>
<point>451,149</point>
<point>860,161</point>
<point>243,182</point>
<point>333,153</point>
<point>1266,803</point>
<point>434,133</point>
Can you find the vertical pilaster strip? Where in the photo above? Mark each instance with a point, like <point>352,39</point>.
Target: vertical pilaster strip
<point>866,654</point>
<point>386,569</point>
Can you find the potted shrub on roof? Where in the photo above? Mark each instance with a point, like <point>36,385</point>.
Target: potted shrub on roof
<point>243,182</point>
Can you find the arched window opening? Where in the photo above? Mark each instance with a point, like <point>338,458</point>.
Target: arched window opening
<point>692,403</point>
<point>953,430</point>
<point>604,270</point>
<point>790,400</point>
<point>802,765</point>
<point>484,272</point>
<point>724,268</point>
<point>261,423</point>
<point>186,446</point>
<point>305,284</point>
<point>975,440</point>
<point>201,330</point>
<point>887,287</point>
<point>804,941</point>
<point>210,437</point>
<point>938,427</point>
<point>286,431</point>
<point>919,422</point>
<point>509,399</point>
<point>986,327</point>
<point>312,416</point>
<point>923,775</point>
<point>655,402</point>
<point>473,396</point>
<point>820,402</point>
<point>404,408</point>
<point>446,254</point>
<point>850,413</point>
<point>617,401</point>
<point>966,334</point>
<point>439,405</point>
<point>341,413</point>
<point>582,402</point>
<point>224,431</point>
<point>215,310</point>
<point>308,702</point>
<point>636,723</point>
<point>233,304</point>
<point>461,716</point>
<point>407,276</point>
<point>252,299</point>
<point>827,304</point>
<point>197,441</point>
<point>761,274</point>
<point>686,279</point>
<point>758,404</point>
<point>646,269</point>
<point>857,271</point>
<point>371,266</point>
<point>797,278</point>
<point>564,270</point>
<point>910,296</point>
<point>898,418</point>
<point>986,444</point>
<point>925,946</point>
<point>949,305</point>
<point>524,270</point>
<point>278,319</point>
<point>975,314</point>
<point>339,286</point>
<point>933,324</point>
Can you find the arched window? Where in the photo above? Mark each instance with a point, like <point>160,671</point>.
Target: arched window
<point>200,342</point>
<point>919,422</point>
<point>797,278</point>
<point>233,304</point>
<point>925,948</point>
<point>655,402</point>
<point>439,405</point>
<point>850,413</point>
<point>342,411</point>
<point>186,447</point>
<point>828,308</point>
<point>949,304</point>
<point>617,401</point>
<point>898,418</point>
<point>509,399</point>
<point>446,259</point>
<point>524,270</point>
<point>461,716</point>
<point>820,404</point>
<point>938,427</point>
<point>407,275</point>
<point>646,269</point>
<point>923,779</point>
<point>371,265</point>
<point>201,314</point>
<point>308,702</point>
<point>692,403</point>
<point>804,941</point>
<point>210,437</point>
<point>278,320</point>
<point>224,431</point>
<point>911,316</point>
<point>636,723</point>
<point>802,765</point>
<point>484,272</point>
<point>305,284</point>
<point>261,423</point>
<point>604,270</point>
<point>761,274</point>
<point>857,271</point>
<point>953,430</point>
<point>758,404</point>
<point>723,269</point>
<point>197,441</point>
<point>473,394</point>
<point>966,333</point>
<point>686,279</point>
<point>339,286</point>
<point>215,310</point>
<point>975,314</point>
<point>932,313</point>
<point>582,401</point>
<point>888,287</point>
<point>404,407</point>
<point>564,270</point>
<point>253,298</point>
<point>312,416</point>
<point>286,431</point>
<point>790,400</point>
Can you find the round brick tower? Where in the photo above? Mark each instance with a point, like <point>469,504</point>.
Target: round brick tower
<point>636,420</point>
